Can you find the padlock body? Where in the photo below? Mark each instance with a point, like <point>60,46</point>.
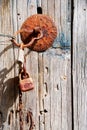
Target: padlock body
<point>26,84</point>
<point>21,55</point>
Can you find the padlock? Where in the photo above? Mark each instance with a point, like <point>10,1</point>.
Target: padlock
<point>25,82</point>
<point>21,55</point>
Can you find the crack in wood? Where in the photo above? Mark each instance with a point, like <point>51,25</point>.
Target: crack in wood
<point>1,120</point>
<point>57,87</point>
<point>46,69</point>
<point>46,89</point>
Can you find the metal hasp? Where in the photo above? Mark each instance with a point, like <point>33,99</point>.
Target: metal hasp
<point>38,32</point>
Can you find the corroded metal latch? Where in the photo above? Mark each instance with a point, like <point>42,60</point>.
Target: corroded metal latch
<point>37,33</point>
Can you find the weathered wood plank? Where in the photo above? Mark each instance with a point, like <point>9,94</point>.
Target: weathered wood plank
<point>50,8</point>
<point>39,3</point>
<point>41,90</point>
<point>31,7</point>
<point>80,65</point>
<point>8,82</point>
<point>57,91</point>
<point>62,18</point>
<point>15,116</point>
<point>47,91</point>
<point>44,6</point>
<point>57,15</point>
<point>64,107</point>
<point>30,99</point>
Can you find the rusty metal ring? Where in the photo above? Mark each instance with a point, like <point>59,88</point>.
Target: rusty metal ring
<point>36,30</point>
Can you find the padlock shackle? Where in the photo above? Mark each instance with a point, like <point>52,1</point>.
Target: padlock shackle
<point>23,72</point>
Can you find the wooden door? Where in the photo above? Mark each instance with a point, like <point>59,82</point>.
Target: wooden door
<point>80,65</point>
<point>50,102</point>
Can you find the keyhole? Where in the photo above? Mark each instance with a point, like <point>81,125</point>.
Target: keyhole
<point>39,10</point>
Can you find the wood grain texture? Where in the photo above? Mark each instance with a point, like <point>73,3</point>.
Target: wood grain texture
<point>50,101</point>
<point>80,65</point>
<point>8,79</point>
<point>62,18</point>
<point>57,90</point>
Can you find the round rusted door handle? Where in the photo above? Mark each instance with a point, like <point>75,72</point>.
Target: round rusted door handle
<point>38,33</point>
<point>48,28</point>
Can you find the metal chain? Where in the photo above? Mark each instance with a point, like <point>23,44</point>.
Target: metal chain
<point>20,110</point>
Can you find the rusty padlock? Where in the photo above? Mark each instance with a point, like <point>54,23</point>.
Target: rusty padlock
<point>25,82</point>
